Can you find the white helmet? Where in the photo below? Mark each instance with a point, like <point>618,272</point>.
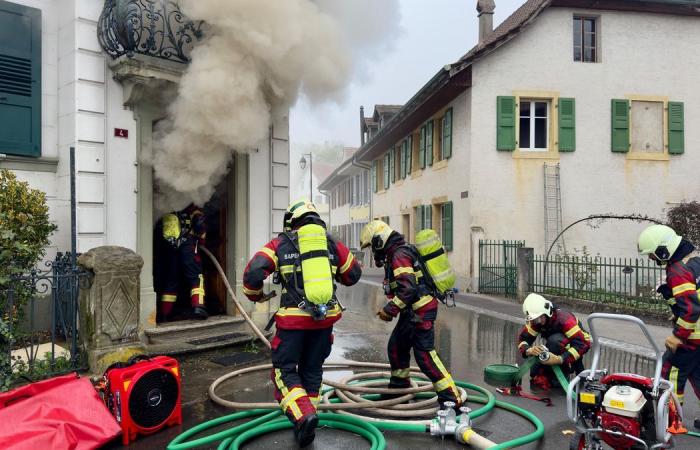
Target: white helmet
<point>535,305</point>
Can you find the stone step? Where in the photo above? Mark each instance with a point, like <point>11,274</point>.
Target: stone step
<point>193,330</point>
<point>177,347</point>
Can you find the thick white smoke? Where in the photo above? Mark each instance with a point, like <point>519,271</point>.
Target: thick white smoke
<point>258,54</point>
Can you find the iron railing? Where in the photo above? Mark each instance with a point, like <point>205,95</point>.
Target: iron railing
<point>627,284</point>
<point>39,316</point>
<point>498,268</point>
<point>150,27</point>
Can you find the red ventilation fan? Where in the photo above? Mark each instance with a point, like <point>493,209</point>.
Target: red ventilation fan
<point>144,395</point>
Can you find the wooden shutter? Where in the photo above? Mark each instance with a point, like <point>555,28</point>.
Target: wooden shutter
<point>409,156</point>
<point>421,148</point>
<point>392,164</point>
<point>402,153</point>
<point>505,120</point>
<point>374,176</point>
<point>429,143</point>
<point>386,170</point>
<point>620,126</point>
<point>567,124</point>
<point>20,80</point>
<point>676,128</point>
<point>447,225</point>
<point>447,135</point>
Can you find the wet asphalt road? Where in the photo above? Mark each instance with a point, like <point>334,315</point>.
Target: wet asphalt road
<point>467,342</point>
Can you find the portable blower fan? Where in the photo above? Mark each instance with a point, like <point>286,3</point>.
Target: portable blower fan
<point>144,395</point>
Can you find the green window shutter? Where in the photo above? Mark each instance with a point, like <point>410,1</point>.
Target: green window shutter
<point>392,165</point>
<point>402,154</point>
<point>567,124</point>
<point>620,126</point>
<point>447,225</point>
<point>505,133</point>
<point>421,148</point>
<point>20,80</point>
<point>409,155</point>
<point>386,170</point>
<point>374,176</point>
<point>429,143</point>
<point>676,128</point>
<point>447,134</point>
<point>418,225</point>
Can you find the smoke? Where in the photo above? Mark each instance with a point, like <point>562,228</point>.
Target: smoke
<point>258,55</point>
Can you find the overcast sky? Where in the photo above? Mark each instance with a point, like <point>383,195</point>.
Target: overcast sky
<point>433,33</point>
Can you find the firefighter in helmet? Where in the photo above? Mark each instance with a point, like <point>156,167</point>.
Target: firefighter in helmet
<point>411,299</point>
<point>178,237</point>
<point>681,361</point>
<point>307,262</point>
<point>565,340</point>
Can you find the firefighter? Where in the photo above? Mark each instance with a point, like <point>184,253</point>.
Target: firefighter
<point>413,301</point>
<point>178,237</point>
<point>306,261</point>
<point>682,263</point>
<point>565,340</point>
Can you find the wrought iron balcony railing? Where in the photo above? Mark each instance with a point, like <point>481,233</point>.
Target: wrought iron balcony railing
<point>150,27</point>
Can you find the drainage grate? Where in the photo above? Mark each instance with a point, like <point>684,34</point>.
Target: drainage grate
<point>212,339</point>
<point>239,358</point>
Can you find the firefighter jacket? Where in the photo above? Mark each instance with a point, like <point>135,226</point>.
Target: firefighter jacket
<point>682,279</point>
<point>407,290</point>
<point>282,255</point>
<point>578,340</point>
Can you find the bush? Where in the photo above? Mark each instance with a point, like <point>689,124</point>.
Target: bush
<point>685,220</point>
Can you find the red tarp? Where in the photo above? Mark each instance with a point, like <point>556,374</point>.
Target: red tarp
<point>60,413</point>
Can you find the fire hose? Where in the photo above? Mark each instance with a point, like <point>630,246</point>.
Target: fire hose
<point>353,393</point>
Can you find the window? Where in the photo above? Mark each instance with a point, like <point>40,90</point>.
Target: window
<point>534,125</point>
<point>386,170</point>
<point>20,80</point>
<point>638,125</point>
<point>446,147</point>
<point>429,143</point>
<point>375,186</point>
<point>585,39</point>
<point>421,148</point>
<point>424,217</point>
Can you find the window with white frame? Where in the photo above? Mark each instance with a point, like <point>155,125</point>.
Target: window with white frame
<point>534,125</point>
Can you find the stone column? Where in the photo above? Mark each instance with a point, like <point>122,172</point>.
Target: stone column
<point>524,258</point>
<point>109,306</point>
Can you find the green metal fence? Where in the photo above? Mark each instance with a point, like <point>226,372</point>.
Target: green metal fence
<point>498,268</point>
<point>625,283</point>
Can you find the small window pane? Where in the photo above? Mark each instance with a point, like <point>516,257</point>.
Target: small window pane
<point>577,54</point>
<point>589,55</point>
<point>589,26</point>
<point>577,31</point>
<point>541,133</point>
<point>524,109</point>
<point>540,109</point>
<point>524,132</point>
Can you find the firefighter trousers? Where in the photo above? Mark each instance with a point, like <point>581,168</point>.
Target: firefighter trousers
<point>420,337</point>
<point>182,262</point>
<point>682,366</point>
<point>297,369</point>
<point>558,344</point>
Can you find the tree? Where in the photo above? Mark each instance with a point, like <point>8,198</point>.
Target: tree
<point>685,220</point>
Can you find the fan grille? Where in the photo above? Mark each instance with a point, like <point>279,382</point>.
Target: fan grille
<point>153,398</point>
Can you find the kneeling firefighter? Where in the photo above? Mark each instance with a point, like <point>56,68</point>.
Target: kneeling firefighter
<point>565,340</point>
<point>681,361</point>
<point>306,261</point>
<point>414,301</point>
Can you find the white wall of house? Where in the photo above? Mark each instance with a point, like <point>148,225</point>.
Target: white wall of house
<point>641,54</point>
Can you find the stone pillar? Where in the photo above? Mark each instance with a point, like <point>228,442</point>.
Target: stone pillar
<point>109,306</point>
<point>524,258</point>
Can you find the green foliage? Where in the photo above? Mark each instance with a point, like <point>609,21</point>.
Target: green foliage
<point>685,220</point>
<point>582,268</point>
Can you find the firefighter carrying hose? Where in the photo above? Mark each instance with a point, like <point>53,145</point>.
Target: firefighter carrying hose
<point>178,237</point>
<point>565,340</point>
<point>413,301</point>
<point>682,357</point>
<point>306,261</point>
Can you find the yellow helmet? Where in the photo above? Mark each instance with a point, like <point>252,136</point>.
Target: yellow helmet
<point>375,234</point>
<point>535,305</point>
<point>660,241</point>
<point>296,210</point>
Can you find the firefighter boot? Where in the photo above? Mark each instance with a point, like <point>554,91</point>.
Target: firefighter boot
<point>305,430</point>
<point>200,313</point>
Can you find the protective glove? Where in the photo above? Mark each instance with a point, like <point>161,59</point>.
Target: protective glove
<point>384,316</point>
<point>665,291</point>
<point>535,351</point>
<point>553,360</point>
<point>672,343</point>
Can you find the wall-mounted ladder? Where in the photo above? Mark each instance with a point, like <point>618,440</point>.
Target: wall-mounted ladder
<point>552,208</point>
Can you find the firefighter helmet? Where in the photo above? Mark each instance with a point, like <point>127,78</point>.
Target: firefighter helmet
<point>375,234</point>
<point>660,241</point>
<point>535,305</point>
<point>296,211</point>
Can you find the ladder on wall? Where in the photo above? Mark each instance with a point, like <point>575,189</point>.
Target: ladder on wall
<point>552,208</point>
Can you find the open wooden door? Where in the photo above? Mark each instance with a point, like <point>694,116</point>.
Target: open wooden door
<point>216,211</point>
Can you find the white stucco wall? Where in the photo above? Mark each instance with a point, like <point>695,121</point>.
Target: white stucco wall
<point>641,54</point>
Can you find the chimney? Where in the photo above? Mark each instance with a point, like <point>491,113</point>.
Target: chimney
<point>485,9</point>
<point>362,124</point>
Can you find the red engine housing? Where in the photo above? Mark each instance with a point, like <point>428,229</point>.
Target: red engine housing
<point>613,422</point>
<point>145,397</point>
